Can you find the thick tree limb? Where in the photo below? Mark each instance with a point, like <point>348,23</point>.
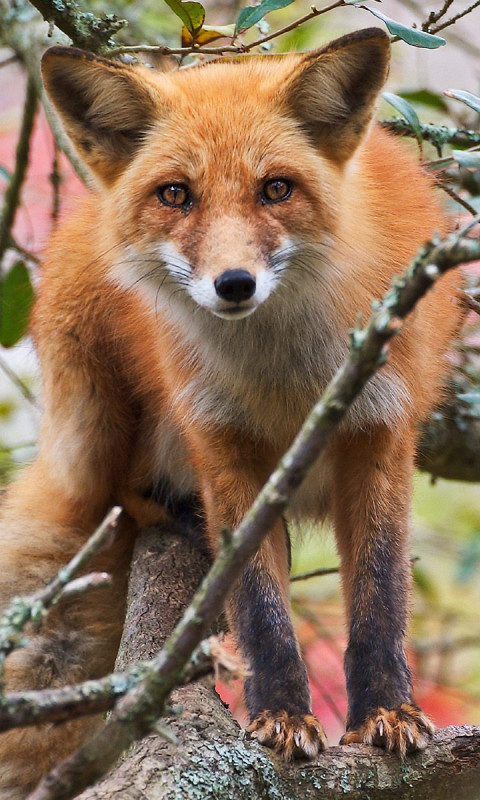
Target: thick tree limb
<point>212,761</point>
<point>449,446</point>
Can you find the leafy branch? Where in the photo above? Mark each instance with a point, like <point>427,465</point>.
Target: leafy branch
<point>98,33</point>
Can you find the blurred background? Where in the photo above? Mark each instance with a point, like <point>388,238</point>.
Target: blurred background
<point>444,646</point>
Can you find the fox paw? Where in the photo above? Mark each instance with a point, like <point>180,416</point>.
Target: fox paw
<point>402,730</point>
<point>291,737</point>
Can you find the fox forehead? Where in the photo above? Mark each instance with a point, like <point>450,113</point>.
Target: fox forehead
<point>226,130</point>
<point>250,78</point>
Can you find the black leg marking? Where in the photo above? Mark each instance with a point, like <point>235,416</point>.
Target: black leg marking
<point>265,634</point>
<point>375,663</point>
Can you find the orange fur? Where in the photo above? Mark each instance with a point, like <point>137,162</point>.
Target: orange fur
<point>143,378</point>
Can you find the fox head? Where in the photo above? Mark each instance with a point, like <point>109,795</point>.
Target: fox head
<point>215,179</point>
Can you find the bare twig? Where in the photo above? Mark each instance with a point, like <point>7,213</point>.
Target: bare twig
<point>455,196</point>
<point>31,609</point>
<point>27,254</point>
<point>472,304</point>
<point>315,12</point>
<point>28,42</point>
<point>12,194</point>
<point>448,644</point>
<point>465,44</point>
<point>55,180</point>
<point>238,48</point>
<point>28,395</point>
<point>64,143</point>
<point>8,60</point>
<point>165,50</point>
<point>135,714</point>
<point>435,16</point>
<point>20,709</point>
<point>94,580</point>
<point>314,573</point>
<point>442,25</point>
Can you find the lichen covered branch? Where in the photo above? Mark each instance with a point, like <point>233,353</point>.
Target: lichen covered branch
<point>84,28</point>
<point>438,135</point>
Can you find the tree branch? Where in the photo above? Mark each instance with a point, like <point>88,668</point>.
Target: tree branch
<point>12,194</point>
<point>449,445</point>
<point>442,25</point>
<point>212,761</point>
<point>83,28</point>
<point>438,135</point>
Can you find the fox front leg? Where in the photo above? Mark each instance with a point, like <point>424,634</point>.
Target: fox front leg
<point>371,509</point>
<point>277,691</point>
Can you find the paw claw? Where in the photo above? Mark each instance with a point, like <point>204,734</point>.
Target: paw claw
<point>291,737</point>
<point>402,730</point>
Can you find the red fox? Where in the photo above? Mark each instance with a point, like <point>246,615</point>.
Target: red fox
<point>191,312</point>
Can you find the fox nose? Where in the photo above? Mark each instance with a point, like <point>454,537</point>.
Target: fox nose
<point>235,285</point>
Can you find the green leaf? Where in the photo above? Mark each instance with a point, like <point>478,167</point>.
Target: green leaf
<point>470,100</point>
<point>409,35</point>
<point>252,14</point>
<point>406,110</point>
<point>467,158</point>
<point>426,97</point>
<point>191,14</point>
<point>16,302</point>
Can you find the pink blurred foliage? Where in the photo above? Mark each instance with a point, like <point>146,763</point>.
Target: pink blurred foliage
<point>33,222</point>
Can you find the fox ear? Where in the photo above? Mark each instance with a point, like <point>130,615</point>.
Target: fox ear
<point>106,107</point>
<point>333,93</point>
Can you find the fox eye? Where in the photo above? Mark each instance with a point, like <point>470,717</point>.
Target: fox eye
<point>275,190</point>
<point>175,195</point>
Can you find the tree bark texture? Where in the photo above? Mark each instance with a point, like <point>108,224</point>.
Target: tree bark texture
<point>449,445</point>
<point>213,761</point>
